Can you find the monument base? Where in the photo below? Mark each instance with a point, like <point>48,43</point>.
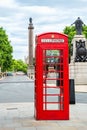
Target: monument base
<point>78,72</point>
<point>73,44</point>
<point>30,72</point>
<point>81,88</point>
<point>81,73</point>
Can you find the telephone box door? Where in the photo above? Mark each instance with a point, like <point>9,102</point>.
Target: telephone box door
<point>51,82</point>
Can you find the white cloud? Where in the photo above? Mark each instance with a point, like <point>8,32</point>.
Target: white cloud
<point>39,9</point>
<point>82,0</point>
<point>14,19</point>
<point>7,3</point>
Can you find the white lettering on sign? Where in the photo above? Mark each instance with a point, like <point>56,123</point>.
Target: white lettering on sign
<point>52,40</point>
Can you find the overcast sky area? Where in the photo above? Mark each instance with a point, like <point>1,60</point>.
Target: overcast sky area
<point>47,15</point>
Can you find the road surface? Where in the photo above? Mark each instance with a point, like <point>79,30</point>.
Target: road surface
<point>15,89</point>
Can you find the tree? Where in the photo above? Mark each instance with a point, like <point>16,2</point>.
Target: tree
<point>85,31</point>
<point>5,51</point>
<point>19,65</point>
<point>70,31</point>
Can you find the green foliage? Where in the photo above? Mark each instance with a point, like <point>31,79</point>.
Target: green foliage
<point>85,31</point>
<point>19,65</point>
<point>5,51</point>
<point>6,61</point>
<point>70,31</point>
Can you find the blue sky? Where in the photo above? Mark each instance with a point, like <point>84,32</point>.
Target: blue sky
<point>47,15</point>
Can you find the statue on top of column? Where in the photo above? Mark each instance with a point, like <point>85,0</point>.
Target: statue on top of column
<point>30,20</point>
<point>78,26</point>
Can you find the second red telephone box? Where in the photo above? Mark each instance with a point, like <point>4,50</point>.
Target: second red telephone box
<point>51,77</point>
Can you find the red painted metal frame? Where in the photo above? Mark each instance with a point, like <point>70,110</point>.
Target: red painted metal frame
<point>44,113</point>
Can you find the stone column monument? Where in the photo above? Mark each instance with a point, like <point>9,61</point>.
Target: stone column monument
<point>31,67</point>
<point>30,28</point>
<point>78,64</point>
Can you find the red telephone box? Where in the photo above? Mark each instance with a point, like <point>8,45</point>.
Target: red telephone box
<point>51,77</point>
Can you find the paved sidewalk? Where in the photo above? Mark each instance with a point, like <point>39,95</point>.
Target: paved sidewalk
<point>20,116</point>
<point>81,88</point>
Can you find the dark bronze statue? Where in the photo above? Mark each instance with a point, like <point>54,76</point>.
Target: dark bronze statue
<point>78,25</point>
<point>30,20</point>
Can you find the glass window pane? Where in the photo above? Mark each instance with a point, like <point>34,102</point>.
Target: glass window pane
<point>53,106</point>
<point>53,90</point>
<point>53,99</point>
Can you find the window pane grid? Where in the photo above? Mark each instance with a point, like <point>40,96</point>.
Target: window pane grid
<point>53,98</point>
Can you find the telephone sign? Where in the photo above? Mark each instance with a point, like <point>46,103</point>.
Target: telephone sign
<point>51,77</point>
<point>52,40</point>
